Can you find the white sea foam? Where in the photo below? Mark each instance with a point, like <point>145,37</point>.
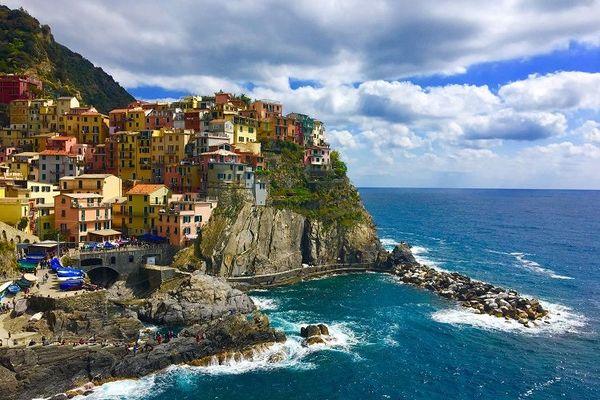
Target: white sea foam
<point>388,243</point>
<point>535,267</point>
<point>130,389</point>
<point>420,254</point>
<point>561,319</point>
<point>341,338</point>
<point>264,303</point>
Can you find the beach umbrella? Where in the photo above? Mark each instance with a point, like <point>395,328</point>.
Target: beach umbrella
<point>30,277</point>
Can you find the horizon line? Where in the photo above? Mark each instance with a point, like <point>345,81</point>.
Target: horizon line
<point>474,188</point>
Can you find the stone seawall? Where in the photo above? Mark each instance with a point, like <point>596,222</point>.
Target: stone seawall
<point>298,274</point>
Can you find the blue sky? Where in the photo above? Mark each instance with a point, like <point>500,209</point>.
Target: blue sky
<point>413,94</point>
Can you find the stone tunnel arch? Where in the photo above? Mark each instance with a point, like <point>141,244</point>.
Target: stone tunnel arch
<point>103,276</point>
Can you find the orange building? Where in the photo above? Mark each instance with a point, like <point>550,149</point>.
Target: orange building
<point>78,214</point>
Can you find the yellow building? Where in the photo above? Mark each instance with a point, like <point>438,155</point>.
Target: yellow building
<point>38,108</point>
<point>44,222</point>
<point>245,129</point>
<point>17,113</point>
<point>119,211</point>
<point>144,202</point>
<point>13,210</point>
<point>136,119</point>
<point>24,164</point>
<point>127,156</point>
<point>13,137</point>
<point>93,127</point>
<point>41,193</point>
<point>106,185</point>
<point>157,150</point>
<point>175,141</point>
<point>144,156</point>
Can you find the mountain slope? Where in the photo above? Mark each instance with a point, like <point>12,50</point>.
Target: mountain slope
<point>28,47</point>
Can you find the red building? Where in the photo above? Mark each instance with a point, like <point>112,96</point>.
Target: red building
<point>18,87</point>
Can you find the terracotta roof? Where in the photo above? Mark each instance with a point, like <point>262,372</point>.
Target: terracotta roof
<point>144,188</point>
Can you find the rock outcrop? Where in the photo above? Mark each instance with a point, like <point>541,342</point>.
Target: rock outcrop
<point>29,372</point>
<point>314,334</point>
<point>483,298</point>
<point>267,240</point>
<point>199,299</point>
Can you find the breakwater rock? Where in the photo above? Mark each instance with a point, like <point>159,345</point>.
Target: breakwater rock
<point>483,298</point>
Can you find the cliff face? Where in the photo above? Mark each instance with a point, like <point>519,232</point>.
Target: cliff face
<point>265,240</point>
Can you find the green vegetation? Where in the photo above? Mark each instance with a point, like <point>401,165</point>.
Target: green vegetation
<point>325,195</point>
<point>26,47</point>
<point>8,261</point>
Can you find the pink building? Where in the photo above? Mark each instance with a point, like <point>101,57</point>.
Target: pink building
<point>317,157</point>
<point>183,218</point>
<point>61,143</point>
<point>78,214</point>
<point>6,152</point>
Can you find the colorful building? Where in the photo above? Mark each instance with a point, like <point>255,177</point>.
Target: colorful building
<point>78,214</point>
<point>183,218</point>
<point>106,185</point>
<point>55,164</point>
<point>18,87</point>
<point>144,202</point>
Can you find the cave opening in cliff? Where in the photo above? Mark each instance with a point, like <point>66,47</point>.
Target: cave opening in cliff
<point>103,276</point>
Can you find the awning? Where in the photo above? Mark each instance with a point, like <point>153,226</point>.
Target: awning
<point>105,232</point>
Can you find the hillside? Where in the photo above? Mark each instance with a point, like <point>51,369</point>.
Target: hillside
<point>29,48</point>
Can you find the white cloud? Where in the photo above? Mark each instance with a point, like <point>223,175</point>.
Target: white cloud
<point>461,135</point>
<point>590,130</point>
<point>558,91</point>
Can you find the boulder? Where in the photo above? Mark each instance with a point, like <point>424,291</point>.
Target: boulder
<point>199,299</point>
<point>310,330</point>
<point>313,340</point>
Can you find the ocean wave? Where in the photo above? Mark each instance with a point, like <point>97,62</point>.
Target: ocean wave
<point>264,303</point>
<point>535,267</point>
<point>419,252</point>
<point>561,319</point>
<point>130,389</point>
<point>388,243</point>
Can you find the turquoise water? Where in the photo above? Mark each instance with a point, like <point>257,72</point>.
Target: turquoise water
<point>392,341</point>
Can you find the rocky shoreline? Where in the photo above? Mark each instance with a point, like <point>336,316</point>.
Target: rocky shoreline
<point>91,338</point>
<point>480,297</point>
<point>219,324</point>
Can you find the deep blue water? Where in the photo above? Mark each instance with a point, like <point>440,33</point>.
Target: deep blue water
<point>392,341</point>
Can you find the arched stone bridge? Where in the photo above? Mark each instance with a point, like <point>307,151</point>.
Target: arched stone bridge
<point>124,261</point>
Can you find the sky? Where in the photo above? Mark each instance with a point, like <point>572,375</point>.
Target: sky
<point>460,93</point>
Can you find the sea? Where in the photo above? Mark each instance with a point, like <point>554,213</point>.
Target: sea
<point>395,341</point>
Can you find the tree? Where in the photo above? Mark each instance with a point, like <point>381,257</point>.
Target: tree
<point>22,225</point>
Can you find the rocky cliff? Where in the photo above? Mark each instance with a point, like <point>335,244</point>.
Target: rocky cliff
<point>265,240</point>
<point>214,316</point>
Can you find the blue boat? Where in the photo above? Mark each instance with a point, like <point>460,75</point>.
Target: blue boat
<point>13,289</point>
<point>34,258</point>
<point>55,264</point>
<point>71,284</point>
<point>69,272</point>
